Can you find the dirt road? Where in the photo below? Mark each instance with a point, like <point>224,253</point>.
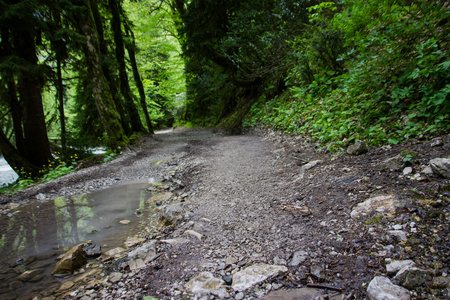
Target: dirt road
<point>273,202</point>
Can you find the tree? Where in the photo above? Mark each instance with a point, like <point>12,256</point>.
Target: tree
<point>100,89</point>
<point>131,109</point>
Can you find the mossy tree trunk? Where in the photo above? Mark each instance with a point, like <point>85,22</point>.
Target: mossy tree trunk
<point>132,111</point>
<point>30,82</point>
<point>131,46</point>
<point>100,89</point>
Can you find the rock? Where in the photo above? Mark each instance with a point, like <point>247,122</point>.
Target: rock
<point>137,264</point>
<point>358,148</point>
<point>115,251</point>
<point>411,277</point>
<point>441,167</point>
<point>373,204</point>
<point>407,171</point>
<point>172,213</point>
<point>27,275</point>
<point>381,288</point>
<point>395,266</point>
<point>133,241</point>
<point>441,282</point>
<point>205,284</point>
<point>93,251</point>
<point>310,165</point>
<point>427,170</point>
<point>66,285</point>
<point>176,241</point>
<point>436,142</point>
<point>71,261</point>
<point>160,198</point>
<point>318,272</point>
<point>400,235</point>
<point>193,233</point>
<point>255,274</point>
<point>301,294</point>
<point>124,222</point>
<point>115,277</point>
<point>145,252</point>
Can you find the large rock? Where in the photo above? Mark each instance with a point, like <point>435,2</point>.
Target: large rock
<point>205,284</point>
<point>358,148</point>
<point>172,213</point>
<point>381,288</point>
<point>27,275</point>
<point>384,204</point>
<point>441,166</point>
<point>145,252</point>
<point>71,261</point>
<point>411,277</point>
<point>255,274</point>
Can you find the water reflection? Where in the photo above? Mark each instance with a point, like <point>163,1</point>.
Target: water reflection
<point>41,230</point>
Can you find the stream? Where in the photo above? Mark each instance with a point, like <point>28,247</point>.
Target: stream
<point>35,235</point>
<point>7,174</point>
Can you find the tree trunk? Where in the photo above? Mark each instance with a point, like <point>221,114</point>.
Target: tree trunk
<point>108,71</point>
<point>137,78</point>
<point>60,93</point>
<point>100,90</point>
<point>30,82</point>
<point>132,111</point>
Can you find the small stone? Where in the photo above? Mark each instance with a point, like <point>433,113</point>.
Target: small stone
<point>125,222</point>
<point>255,274</point>
<point>298,258</point>
<point>176,241</point>
<point>411,277</point>
<point>27,275</point>
<point>436,142</point>
<point>387,202</point>
<point>397,265</point>
<point>381,288</point>
<point>400,235</point>
<point>115,277</point>
<point>407,171</point>
<point>358,148</point>
<point>93,250</point>
<point>66,285</point>
<point>310,165</point>
<point>318,272</point>
<point>115,251</point>
<point>133,241</point>
<point>193,233</point>
<point>205,284</point>
<point>441,282</point>
<point>160,198</point>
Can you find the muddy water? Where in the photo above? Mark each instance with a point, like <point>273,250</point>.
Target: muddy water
<point>33,236</point>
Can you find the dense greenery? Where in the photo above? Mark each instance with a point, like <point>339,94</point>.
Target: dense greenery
<point>337,71</point>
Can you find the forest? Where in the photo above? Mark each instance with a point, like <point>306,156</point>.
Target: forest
<point>86,73</point>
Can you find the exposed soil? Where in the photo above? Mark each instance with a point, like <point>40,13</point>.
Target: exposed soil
<point>250,201</point>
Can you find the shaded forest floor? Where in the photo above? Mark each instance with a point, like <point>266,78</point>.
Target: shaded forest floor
<point>268,198</point>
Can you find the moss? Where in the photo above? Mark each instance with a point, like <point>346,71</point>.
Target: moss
<point>375,220</point>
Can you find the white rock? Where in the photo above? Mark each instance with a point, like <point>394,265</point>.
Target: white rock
<point>193,233</point>
<point>384,203</point>
<point>145,252</point>
<point>311,165</point>
<point>397,265</point>
<point>205,284</point>
<point>381,288</point>
<point>407,171</point>
<point>255,274</point>
<point>176,241</point>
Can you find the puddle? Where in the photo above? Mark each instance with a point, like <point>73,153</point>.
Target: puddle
<point>33,236</point>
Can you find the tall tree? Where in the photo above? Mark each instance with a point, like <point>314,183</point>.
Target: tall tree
<point>116,25</point>
<point>100,89</point>
<point>22,19</point>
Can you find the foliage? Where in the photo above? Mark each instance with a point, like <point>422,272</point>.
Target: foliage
<point>376,71</point>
